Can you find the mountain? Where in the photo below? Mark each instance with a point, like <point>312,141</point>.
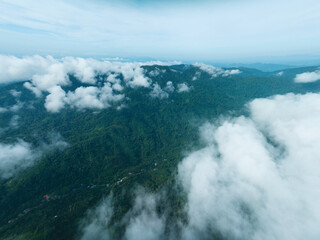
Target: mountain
<point>78,142</point>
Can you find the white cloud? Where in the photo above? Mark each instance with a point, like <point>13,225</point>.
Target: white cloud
<point>169,87</point>
<point>247,188</point>
<point>183,87</point>
<point>85,97</point>
<point>15,157</point>
<point>134,75</point>
<point>93,97</point>
<point>215,71</point>
<point>82,98</point>
<point>308,77</point>
<point>156,72</point>
<point>280,73</point>
<point>46,72</point>
<point>37,92</point>
<point>56,99</point>
<point>157,92</point>
<point>95,225</point>
<point>196,76</point>
<point>231,72</point>
<point>14,69</point>
<point>49,75</point>
<point>142,221</point>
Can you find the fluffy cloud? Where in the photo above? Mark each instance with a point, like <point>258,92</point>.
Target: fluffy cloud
<point>215,71</point>
<point>55,101</point>
<point>257,177</point>
<point>46,72</point>
<point>92,97</point>
<point>102,79</point>
<point>20,155</point>
<point>49,76</point>
<point>183,87</point>
<point>82,98</point>
<point>14,69</point>
<point>308,77</point>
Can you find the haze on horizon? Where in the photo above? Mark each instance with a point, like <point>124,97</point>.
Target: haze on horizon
<point>209,30</point>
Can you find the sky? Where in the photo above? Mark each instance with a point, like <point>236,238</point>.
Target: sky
<point>203,30</point>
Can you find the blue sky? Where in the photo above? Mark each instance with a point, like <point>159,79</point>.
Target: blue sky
<point>220,30</point>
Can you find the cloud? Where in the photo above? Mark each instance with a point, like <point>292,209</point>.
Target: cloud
<point>55,101</point>
<point>14,121</point>
<point>183,87</point>
<point>156,72</point>
<point>157,92</point>
<point>142,221</point>
<point>169,87</point>
<point>280,74</point>
<point>47,72</point>
<point>95,225</point>
<point>49,76</point>
<point>103,80</point>
<point>14,108</point>
<point>15,93</point>
<point>256,177</point>
<point>215,71</point>
<point>15,157</point>
<point>82,98</point>
<point>13,69</point>
<point>92,97</point>
<point>37,92</point>
<point>196,76</point>
<point>308,77</point>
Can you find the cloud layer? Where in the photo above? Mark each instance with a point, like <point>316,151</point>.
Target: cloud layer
<point>256,178</point>
<point>47,75</point>
<point>102,83</point>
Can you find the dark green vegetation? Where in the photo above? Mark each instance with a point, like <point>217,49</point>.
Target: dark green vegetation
<point>113,150</point>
